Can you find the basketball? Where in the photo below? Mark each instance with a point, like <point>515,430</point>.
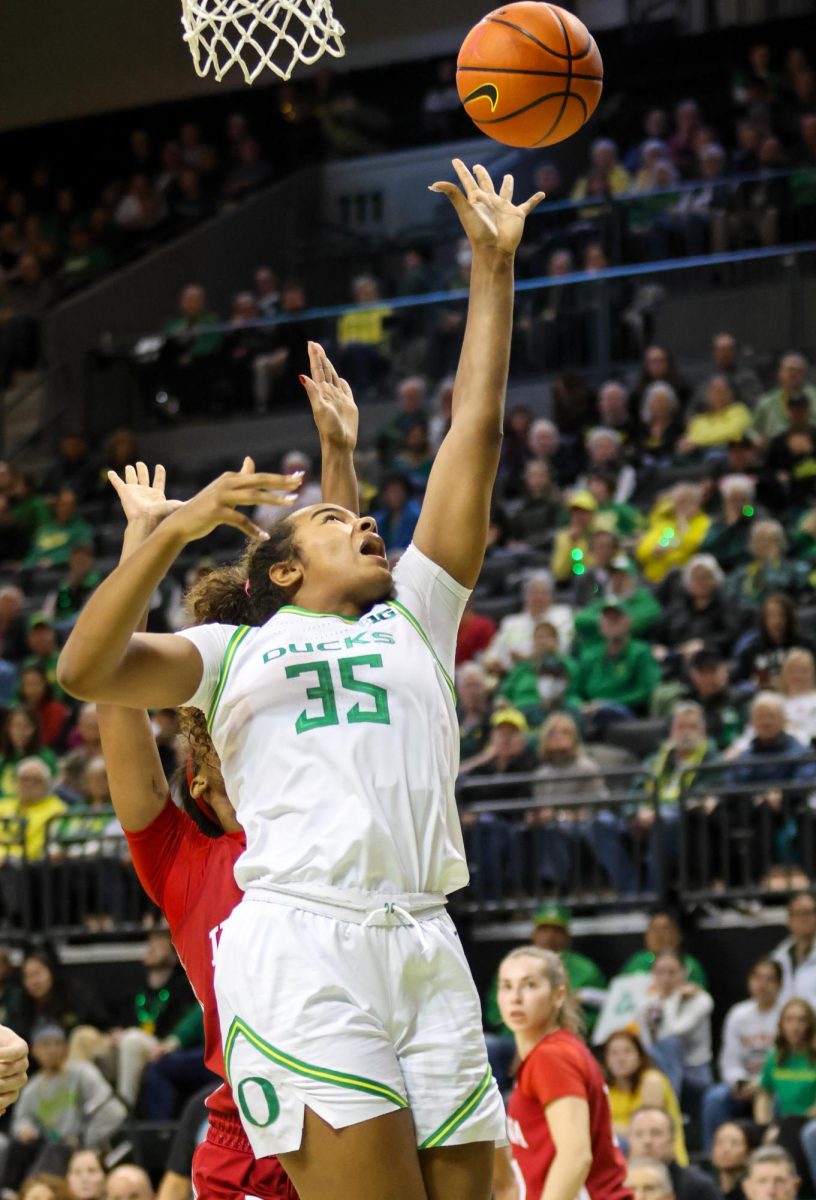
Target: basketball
<point>529,74</point>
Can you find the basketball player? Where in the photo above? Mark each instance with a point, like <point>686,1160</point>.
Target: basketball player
<point>186,860</point>
<point>351,1025</point>
<point>559,1119</point>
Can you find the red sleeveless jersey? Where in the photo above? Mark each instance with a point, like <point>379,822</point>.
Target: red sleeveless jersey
<point>559,1066</point>
<point>191,878</point>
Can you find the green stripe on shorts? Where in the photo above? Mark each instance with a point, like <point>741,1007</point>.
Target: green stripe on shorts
<point>453,1122</point>
<point>357,1083</point>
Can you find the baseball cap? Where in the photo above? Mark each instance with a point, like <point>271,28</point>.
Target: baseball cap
<point>510,716</point>
<point>614,603</point>
<point>553,914</point>
<point>47,1029</point>
<point>621,563</point>
<point>39,618</point>
<point>709,656</point>
<point>583,500</point>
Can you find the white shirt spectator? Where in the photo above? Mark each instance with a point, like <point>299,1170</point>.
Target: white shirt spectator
<point>514,639</point>
<point>797,980</point>
<point>748,1035</point>
<point>800,717</point>
<point>685,1017</point>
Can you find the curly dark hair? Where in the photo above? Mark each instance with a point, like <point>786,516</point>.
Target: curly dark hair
<point>195,744</point>
<point>223,597</point>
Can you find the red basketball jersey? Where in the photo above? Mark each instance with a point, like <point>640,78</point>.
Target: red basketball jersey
<point>559,1066</point>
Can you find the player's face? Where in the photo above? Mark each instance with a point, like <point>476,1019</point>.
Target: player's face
<point>342,555</point>
<point>528,1002</point>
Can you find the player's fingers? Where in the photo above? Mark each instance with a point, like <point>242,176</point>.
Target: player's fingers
<point>142,474</point>
<point>315,365</point>
<point>130,475</point>
<point>159,477</point>
<point>247,466</point>
<point>248,527</point>
<point>534,201</point>
<point>116,483</point>
<point>483,179</point>
<point>465,175</point>
<point>508,183</point>
<point>264,482</point>
<point>312,391</point>
<point>454,194</point>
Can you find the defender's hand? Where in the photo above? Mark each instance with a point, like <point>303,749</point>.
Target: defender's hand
<point>489,218</point>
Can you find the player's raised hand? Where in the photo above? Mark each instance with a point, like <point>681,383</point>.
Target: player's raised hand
<point>13,1067</point>
<point>333,407</point>
<point>218,503</point>
<point>142,501</point>
<point>489,218</point>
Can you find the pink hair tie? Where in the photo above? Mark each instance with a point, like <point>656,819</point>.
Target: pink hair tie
<point>246,587</point>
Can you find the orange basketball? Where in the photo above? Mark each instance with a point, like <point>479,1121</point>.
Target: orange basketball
<point>529,74</point>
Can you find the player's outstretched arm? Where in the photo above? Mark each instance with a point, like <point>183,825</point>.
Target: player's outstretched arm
<point>138,785</point>
<point>568,1121</point>
<point>13,1067</point>
<point>452,529</point>
<point>337,421</point>
<point>105,659</point>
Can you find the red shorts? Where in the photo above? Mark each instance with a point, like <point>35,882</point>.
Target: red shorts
<point>224,1167</point>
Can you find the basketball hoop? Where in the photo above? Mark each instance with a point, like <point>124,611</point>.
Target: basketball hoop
<point>259,35</point>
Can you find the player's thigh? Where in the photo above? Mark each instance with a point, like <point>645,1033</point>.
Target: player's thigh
<point>373,1160</point>
<point>458,1172</point>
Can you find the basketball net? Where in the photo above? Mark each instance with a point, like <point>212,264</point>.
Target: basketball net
<point>259,35</point>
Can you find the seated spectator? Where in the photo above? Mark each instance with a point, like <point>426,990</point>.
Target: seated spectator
<point>730,1152</point>
<point>606,176</point>
<point>768,570</point>
<point>545,442</point>
<point>677,529</point>
<point>797,683</point>
<point>725,360</point>
<point>66,1104</point>
<point>363,336</point>
<point>604,548</point>
<point>84,260</point>
<point>52,995</point>
<point>748,1035</point>
<point>396,513</point>
<point>26,301</point>
<point>411,396</point>
<point>142,209</point>
<point>54,541</point>
<point>570,556</point>
<point>537,685</point>
<point>772,415</point>
<point>244,344</point>
<point>786,1095</point>
<point>35,805</point>
<point>697,222</point>
<point>615,412</point>
<point>13,647</point>
<point>770,813</point>
<point>73,468</point>
<point>85,1176</point>
<point>729,535</point>
<point>624,585</point>
<point>514,640</point>
<point>652,1136</point>
<point>789,474</point>
<point>191,354</point>
<point>667,773</point>
<point>663,933</point>
<point>605,452</point>
<point>473,709</point>
<point>617,517</point>
<point>128,1182</point>
<point>649,1179</point>
<point>85,734</point>
<point>508,751</point>
<point>20,739</point>
<point>674,1018</point>
<point>634,1083</point>
<point>660,426</point>
<point>539,509</point>
<point>725,420</point>
<point>796,955</point>
<point>771,1172</point>
<point>50,716</point>
<point>761,655</point>
<point>658,367</point>
<point>476,632</point>
<point>267,292</point>
<point>249,172</point>
<point>82,578</point>
<point>515,450</point>
<point>708,687</point>
<point>696,616</point>
<point>614,679</point>
<point>416,457</point>
<point>162,1002</point>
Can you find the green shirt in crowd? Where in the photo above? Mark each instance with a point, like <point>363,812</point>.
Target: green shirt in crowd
<point>54,541</point>
<point>792,1084</point>
<point>627,678</point>
<point>641,607</point>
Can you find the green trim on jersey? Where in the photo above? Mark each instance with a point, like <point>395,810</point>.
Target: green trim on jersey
<point>226,663</point>
<point>357,1083</point>
<point>409,616</point>
<point>462,1113</point>
<point>307,612</point>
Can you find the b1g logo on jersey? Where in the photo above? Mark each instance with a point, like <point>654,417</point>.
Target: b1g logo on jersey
<point>514,1134</point>
<point>258,1101</point>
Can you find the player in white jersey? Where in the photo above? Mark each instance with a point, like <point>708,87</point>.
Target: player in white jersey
<point>351,1025</point>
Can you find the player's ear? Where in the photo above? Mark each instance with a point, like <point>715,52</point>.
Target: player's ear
<point>287,575</point>
<point>198,787</point>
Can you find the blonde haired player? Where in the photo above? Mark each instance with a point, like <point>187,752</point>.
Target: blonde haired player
<point>351,1025</point>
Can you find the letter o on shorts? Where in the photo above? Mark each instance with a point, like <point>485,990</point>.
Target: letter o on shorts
<point>258,1101</point>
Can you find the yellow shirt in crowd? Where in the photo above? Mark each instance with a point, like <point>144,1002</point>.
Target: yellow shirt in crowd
<point>624,1105</point>
<point>36,817</point>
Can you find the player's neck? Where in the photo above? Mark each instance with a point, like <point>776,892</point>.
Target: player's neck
<point>527,1042</point>
<point>320,599</point>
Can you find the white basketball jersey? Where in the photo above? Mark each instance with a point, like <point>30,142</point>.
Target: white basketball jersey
<point>339,742</point>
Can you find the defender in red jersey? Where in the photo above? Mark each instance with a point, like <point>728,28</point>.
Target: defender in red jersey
<point>559,1120</point>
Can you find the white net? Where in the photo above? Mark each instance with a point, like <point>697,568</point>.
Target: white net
<point>259,35</point>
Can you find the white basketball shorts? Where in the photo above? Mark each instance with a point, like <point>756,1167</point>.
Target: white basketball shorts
<point>353,1015</point>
